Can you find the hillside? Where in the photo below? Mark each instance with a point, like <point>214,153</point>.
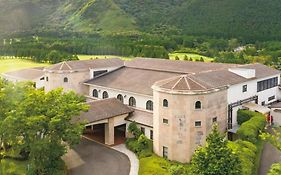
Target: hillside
<point>258,19</point>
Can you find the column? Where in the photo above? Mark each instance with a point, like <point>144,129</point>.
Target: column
<point>109,132</point>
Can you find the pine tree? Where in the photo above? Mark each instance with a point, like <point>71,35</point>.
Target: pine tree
<point>215,158</point>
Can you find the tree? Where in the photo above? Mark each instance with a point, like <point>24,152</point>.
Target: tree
<point>215,158</point>
<point>41,125</point>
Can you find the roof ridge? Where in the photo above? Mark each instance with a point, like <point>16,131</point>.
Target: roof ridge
<point>187,83</point>
<point>177,82</point>
<point>196,82</point>
<point>68,65</point>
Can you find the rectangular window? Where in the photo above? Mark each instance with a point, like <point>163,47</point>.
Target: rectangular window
<point>271,98</point>
<point>166,121</point>
<point>197,123</point>
<point>267,84</point>
<point>215,119</point>
<point>151,134</point>
<point>165,152</point>
<point>263,103</point>
<point>244,88</point>
<point>142,130</point>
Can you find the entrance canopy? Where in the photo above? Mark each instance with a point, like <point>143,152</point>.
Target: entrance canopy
<point>256,107</point>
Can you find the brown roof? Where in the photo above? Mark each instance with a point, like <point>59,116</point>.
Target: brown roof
<point>262,71</point>
<point>132,80</point>
<point>139,75</point>
<point>86,64</point>
<point>181,83</point>
<point>177,66</point>
<point>104,109</point>
<point>141,117</point>
<point>26,74</point>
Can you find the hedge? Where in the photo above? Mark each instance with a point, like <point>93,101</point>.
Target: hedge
<point>250,129</point>
<point>246,152</point>
<point>245,115</point>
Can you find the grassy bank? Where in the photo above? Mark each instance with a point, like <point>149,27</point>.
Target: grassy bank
<point>10,64</point>
<point>155,165</point>
<point>260,145</point>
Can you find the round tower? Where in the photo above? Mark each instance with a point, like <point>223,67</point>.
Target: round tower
<point>185,110</point>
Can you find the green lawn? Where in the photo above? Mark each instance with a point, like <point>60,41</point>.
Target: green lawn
<point>171,55</point>
<point>8,166</point>
<point>7,65</point>
<point>87,57</point>
<point>155,165</point>
<point>190,55</point>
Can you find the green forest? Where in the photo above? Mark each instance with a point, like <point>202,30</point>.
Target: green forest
<point>240,31</point>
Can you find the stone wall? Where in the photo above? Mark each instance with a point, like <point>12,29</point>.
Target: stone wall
<point>180,135</point>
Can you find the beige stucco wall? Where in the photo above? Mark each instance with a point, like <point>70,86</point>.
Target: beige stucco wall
<point>75,81</point>
<point>180,135</point>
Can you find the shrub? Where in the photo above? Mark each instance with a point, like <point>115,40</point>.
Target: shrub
<point>250,129</point>
<point>246,152</point>
<point>134,130</point>
<point>275,169</point>
<point>244,115</point>
<point>177,169</point>
<point>141,146</point>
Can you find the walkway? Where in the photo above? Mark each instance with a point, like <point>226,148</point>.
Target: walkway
<point>133,158</point>
<point>91,158</point>
<point>270,155</point>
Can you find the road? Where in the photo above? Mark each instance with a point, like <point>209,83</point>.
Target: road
<point>90,158</point>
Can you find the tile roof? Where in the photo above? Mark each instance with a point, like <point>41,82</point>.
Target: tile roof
<point>131,80</point>
<point>86,64</point>
<point>138,76</point>
<point>104,109</point>
<point>141,117</point>
<point>177,66</point>
<point>26,74</point>
<point>181,83</point>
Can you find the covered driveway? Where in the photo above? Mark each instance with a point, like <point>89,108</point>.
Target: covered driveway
<point>91,158</point>
<point>105,121</point>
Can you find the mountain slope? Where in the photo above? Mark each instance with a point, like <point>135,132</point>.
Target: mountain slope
<point>252,19</point>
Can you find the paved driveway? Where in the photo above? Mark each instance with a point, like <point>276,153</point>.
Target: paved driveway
<point>90,158</point>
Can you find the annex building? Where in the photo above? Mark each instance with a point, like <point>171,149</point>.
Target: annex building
<point>174,103</point>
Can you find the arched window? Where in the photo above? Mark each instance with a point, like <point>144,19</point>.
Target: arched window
<point>132,101</point>
<point>65,79</point>
<point>104,95</point>
<point>120,97</point>
<point>149,105</point>
<point>198,105</point>
<point>165,103</point>
<point>95,93</point>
